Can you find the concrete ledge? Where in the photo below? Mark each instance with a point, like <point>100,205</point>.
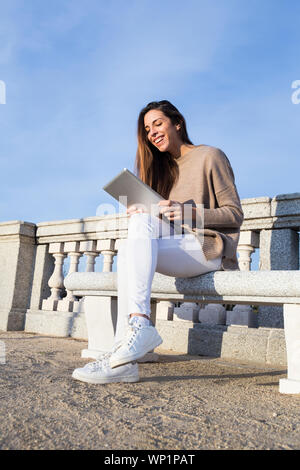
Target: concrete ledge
<point>79,329</point>
<point>49,322</point>
<point>257,345</point>
<point>241,343</point>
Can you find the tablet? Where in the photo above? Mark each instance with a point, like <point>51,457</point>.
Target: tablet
<point>128,189</point>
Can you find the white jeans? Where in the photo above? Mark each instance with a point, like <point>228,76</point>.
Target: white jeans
<point>151,247</point>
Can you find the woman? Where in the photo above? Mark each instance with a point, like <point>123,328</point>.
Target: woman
<point>200,198</point>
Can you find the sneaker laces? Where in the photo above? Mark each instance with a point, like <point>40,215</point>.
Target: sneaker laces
<point>101,363</point>
<point>133,329</point>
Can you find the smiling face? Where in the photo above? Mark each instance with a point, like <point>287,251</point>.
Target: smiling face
<point>161,132</point>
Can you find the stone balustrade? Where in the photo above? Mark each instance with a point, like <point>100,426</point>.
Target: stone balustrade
<point>36,258</point>
<point>99,291</point>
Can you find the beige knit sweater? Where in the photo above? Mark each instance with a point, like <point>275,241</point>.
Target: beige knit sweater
<point>206,178</point>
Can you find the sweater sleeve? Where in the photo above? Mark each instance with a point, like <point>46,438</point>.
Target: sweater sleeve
<point>229,213</point>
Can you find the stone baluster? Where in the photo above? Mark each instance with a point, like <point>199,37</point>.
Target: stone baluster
<point>243,314</point>
<point>88,248</point>
<point>107,249</point>
<point>56,281</point>
<point>248,242</point>
<point>69,303</point>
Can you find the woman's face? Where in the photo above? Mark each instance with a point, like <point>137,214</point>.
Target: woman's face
<point>161,132</point>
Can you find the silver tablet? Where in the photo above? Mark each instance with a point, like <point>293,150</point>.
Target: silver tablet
<point>128,189</point>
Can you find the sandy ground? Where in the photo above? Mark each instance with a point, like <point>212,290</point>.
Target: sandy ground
<point>181,402</point>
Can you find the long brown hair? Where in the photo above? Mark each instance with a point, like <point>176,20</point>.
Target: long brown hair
<point>158,169</point>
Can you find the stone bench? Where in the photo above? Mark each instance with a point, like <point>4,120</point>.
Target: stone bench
<point>99,291</point>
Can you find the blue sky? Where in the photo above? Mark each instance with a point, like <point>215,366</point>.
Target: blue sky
<point>78,72</point>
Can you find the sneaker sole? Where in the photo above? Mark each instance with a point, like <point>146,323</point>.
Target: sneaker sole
<point>90,380</point>
<point>133,357</point>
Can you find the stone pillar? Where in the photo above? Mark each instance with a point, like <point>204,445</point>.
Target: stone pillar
<point>101,318</point>
<point>292,337</point>
<point>279,250</point>
<point>17,253</point>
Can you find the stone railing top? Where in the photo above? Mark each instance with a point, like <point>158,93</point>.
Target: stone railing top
<point>281,211</point>
<point>255,287</point>
<point>279,197</point>
<point>89,228</point>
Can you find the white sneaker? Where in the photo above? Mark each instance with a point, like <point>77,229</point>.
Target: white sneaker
<point>140,339</point>
<point>100,372</point>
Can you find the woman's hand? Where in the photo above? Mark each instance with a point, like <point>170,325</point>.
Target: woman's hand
<point>134,209</point>
<point>173,210</point>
